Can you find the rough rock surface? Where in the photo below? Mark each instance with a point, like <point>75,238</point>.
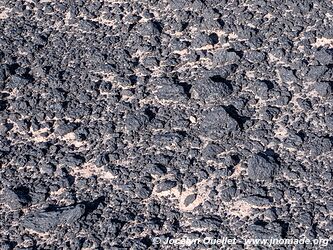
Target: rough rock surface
<point>121,121</point>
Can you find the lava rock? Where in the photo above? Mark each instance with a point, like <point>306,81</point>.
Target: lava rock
<point>217,122</point>
<point>45,221</point>
<point>15,199</point>
<point>165,185</point>
<point>262,167</point>
<point>211,90</point>
<point>190,199</point>
<point>324,88</point>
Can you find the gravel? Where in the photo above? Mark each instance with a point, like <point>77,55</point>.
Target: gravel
<point>126,122</point>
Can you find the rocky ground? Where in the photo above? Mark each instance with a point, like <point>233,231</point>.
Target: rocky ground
<point>121,121</point>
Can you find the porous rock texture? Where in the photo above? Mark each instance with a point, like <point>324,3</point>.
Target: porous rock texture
<point>121,121</point>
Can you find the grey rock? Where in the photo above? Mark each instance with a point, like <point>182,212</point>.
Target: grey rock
<point>45,221</point>
<point>324,88</point>
<point>150,28</point>
<point>217,122</point>
<point>64,129</point>
<point>262,167</point>
<point>165,185</point>
<point>324,56</point>
<point>209,90</point>
<point>315,72</point>
<point>15,200</point>
<point>287,75</point>
<point>257,200</point>
<point>190,199</point>
<point>228,193</point>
